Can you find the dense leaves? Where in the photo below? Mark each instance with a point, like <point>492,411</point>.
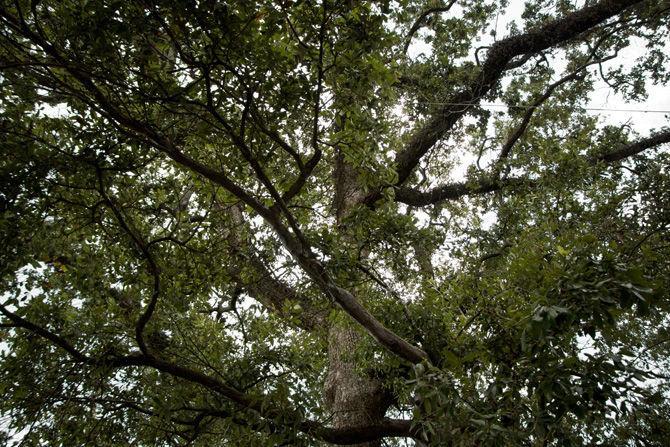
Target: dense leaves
<point>298,223</point>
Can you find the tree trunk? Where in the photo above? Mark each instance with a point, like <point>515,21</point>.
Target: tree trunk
<point>354,400</point>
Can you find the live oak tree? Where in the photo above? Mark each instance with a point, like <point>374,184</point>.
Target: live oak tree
<point>240,223</point>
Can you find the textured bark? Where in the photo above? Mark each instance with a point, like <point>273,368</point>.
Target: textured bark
<point>348,192</point>
<point>354,400</point>
<point>423,256</point>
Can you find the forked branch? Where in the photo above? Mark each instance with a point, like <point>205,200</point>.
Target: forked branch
<point>498,59</point>
<point>455,191</point>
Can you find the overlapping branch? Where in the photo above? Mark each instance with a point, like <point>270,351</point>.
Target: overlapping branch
<point>454,191</point>
<point>272,292</point>
<point>291,236</point>
<point>145,250</point>
<point>255,403</point>
<point>575,75</point>
<point>498,59</point>
<point>420,21</point>
<point>501,57</point>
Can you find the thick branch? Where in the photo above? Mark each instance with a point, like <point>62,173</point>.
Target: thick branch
<point>385,337</point>
<point>635,148</point>
<point>292,239</point>
<point>454,191</point>
<point>499,56</point>
<point>265,288</point>
<point>357,435</point>
<point>255,403</point>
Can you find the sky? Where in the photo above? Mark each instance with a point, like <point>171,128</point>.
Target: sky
<point>643,117</point>
<point>601,98</point>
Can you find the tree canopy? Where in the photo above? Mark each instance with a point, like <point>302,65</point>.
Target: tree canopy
<point>300,222</point>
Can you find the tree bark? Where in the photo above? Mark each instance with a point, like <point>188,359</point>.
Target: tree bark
<point>355,400</point>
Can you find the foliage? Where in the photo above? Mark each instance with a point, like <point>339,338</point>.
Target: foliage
<point>220,219</point>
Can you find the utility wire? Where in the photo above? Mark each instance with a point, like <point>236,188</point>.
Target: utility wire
<point>593,109</point>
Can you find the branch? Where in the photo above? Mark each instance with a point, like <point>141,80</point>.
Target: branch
<point>146,253</point>
<point>523,125</point>
<point>499,56</point>
<point>274,136</point>
<point>385,337</point>
<point>127,124</point>
<point>454,191</point>
<point>419,22</point>
<point>62,343</point>
<point>511,65</point>
<point>635,148</point>
<point>255,403</point>
<point>268,290</point>
<point>577,74</point>
<point>292,238</point>
<point>44,333</point>
<point>357,435</point>
<point>305,173</point>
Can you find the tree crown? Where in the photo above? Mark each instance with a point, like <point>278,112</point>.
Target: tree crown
<point>243,223</point>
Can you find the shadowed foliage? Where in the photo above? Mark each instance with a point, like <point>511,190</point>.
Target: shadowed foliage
<point>264,223</point>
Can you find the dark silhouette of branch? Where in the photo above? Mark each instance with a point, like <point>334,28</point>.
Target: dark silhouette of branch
<point>575,75</point>
<point>454,191</point>
<point>499,57</point>
<point>255,403</point>
<point>59,341</point>
<point>291,236</point>
<point>266,288</point>
<point>523,125</point>
<point>145,250</point>
<point>420,21</point>
<point>635,148</point>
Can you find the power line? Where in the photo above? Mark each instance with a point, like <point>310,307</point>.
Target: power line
<point>591,109</point>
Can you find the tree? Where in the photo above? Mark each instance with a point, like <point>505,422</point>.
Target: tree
<point>240,223</point>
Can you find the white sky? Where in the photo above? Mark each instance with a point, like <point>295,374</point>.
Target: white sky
<point>602,96</point>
